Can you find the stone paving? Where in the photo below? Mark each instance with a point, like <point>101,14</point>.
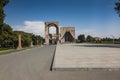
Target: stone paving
<point>35,64</point>
<point>87,56</point>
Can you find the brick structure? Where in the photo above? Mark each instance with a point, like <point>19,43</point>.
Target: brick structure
<point>48,37</point>
<point>67,34</point>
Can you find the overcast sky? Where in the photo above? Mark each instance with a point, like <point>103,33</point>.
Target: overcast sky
<point>90,17</point>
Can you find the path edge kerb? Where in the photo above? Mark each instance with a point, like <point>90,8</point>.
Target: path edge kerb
<point>53,60</point>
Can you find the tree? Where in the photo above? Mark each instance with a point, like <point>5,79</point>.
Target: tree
<point>81,38</point>
<point>4,28</point>
<point>37,40</point>
<point>2,15</point>
<point>117,7</point>
<point>89,38</point>
<point>8,37</point>
<point>5,36</point>
<point>26,38</point>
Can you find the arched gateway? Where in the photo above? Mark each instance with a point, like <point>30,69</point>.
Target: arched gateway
<point>66,34</point>
<point>51,38</point>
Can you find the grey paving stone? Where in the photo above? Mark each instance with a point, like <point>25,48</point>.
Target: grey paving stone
<point>79,56</point>
<point>35,63</point>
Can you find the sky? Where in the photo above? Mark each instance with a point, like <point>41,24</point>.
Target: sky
<point>90,17</point>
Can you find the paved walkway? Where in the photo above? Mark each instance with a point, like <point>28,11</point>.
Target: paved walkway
<point>34,64</point>
<point>31,64</point>
<point>87,56</point>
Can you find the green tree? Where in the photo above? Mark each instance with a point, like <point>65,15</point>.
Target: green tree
<point>3,32</point>
<point>34,39</point>
<point>9,38</point>
<point>117,7</point>
<point>81,38</point>
<point>37,40</point>
<point>26,38</point>
<point>89,38</point>
<point>2,14</point>
<point>6,36</point>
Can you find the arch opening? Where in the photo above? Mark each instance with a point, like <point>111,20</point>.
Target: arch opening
<point>52,30</point>
<point>52,33</point>
<point>68,37</point>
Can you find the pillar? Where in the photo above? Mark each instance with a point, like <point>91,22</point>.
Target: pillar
<point>19,42</point>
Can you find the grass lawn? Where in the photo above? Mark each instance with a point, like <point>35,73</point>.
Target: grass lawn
<point>7,51</point>
<point>1,49</point>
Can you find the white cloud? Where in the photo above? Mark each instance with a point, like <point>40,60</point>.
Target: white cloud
<point>38,28</point>
<point>35,27</point>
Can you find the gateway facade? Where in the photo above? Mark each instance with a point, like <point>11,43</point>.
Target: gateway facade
<point>62,35</point>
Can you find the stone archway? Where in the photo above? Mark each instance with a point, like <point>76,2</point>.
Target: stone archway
<point>68,37</point>
<point>67,34</point>
<point>49,38</point>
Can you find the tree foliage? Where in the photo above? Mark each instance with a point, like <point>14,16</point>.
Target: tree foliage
<point>81,38</point>
<point>9,38</point>
<point>5,35</point>
<point>37,40</point>
<point>117,7</point>
<point>2,14</point>
<point>27,38</point>
<point>89,38</point>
